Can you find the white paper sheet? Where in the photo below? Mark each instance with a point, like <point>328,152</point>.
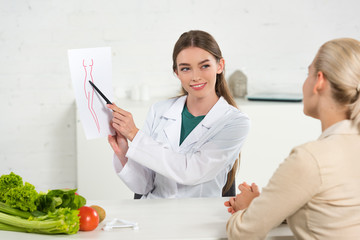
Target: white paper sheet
<point>92,64</point>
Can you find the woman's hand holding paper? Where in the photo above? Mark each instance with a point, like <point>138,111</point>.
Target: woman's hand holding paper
<point>120,146</point>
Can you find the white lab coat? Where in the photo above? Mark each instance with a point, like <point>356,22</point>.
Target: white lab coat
<point>158,167</point>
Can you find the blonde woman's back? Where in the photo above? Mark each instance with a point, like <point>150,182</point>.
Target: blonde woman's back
<point>333,212</point>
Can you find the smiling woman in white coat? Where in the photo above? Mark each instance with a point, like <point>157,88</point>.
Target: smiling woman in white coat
<point>189,145</point>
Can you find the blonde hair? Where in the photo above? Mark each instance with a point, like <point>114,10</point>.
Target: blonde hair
<point>339,61</point>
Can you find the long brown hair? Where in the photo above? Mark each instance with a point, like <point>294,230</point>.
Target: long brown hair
<point>205,41</point>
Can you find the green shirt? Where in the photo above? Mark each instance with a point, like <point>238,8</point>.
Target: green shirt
<point>188,123</point>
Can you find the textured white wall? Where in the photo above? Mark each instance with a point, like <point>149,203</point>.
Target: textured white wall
<point>271,41</point>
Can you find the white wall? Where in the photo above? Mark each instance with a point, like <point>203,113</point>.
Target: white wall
<point>273,42</point>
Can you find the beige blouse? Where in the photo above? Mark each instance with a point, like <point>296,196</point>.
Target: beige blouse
<point>317,189</point>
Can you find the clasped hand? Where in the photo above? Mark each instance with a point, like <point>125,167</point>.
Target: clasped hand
<point>242,200</point>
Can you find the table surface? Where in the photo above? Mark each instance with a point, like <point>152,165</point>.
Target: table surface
<point>197,218</point>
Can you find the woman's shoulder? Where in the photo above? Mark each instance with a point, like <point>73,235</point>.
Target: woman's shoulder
<point>341,136</point>
<point>332,149</point>
<point>164,105</point>
<point>225,114</point>
<point>235,112</point>
<point>314,151</point>
<point>238,112</point>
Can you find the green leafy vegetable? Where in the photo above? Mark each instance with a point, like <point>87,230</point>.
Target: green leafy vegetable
<point>60,198</point>
<point>23,209</point>
<point>22,197</point>
<point>14,211</point>
<point>26,198</point>
<point>62,220</point>
<point>8,182</point>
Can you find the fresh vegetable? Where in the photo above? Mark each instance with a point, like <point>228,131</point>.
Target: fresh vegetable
<point>23,209</point>
<point>101,212</point>
<point>89,218</point>
<point>22,197</point>
<point>26,198</point>
<point>14,211</point>
<point>62,220</point>
<point>60,198</point>
<point>7,182</point>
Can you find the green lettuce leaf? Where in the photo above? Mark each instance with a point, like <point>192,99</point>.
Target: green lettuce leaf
<point>7,182</point>
<point>22,197</point>
<point>60,198</point>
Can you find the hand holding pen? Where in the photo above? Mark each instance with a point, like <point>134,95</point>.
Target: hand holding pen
<point>124,126</point>
<point>123,122</point>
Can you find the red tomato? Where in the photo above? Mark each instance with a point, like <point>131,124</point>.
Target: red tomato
<point>89,218</point>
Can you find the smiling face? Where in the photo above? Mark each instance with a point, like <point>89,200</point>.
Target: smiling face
<point>197,70</point>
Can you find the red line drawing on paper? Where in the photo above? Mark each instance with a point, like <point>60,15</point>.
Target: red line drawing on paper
<point>89,91</point>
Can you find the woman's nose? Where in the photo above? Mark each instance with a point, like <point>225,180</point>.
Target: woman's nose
<point>196,76</point>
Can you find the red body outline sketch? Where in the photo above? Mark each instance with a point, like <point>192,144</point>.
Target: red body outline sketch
<point>89,91</point>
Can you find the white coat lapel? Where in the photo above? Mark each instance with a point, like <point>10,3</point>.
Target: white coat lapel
<point>213,116</point>
<point>194,135</point>
<point>173,127</point>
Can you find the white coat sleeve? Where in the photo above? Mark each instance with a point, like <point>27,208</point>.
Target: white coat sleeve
<point>137,178</point>
<point>201,165</point>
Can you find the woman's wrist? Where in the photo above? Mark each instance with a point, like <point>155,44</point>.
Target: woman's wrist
<point>133,134</point>
<point>123,159</point>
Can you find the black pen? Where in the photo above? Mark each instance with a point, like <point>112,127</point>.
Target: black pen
<point>98,90</point>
